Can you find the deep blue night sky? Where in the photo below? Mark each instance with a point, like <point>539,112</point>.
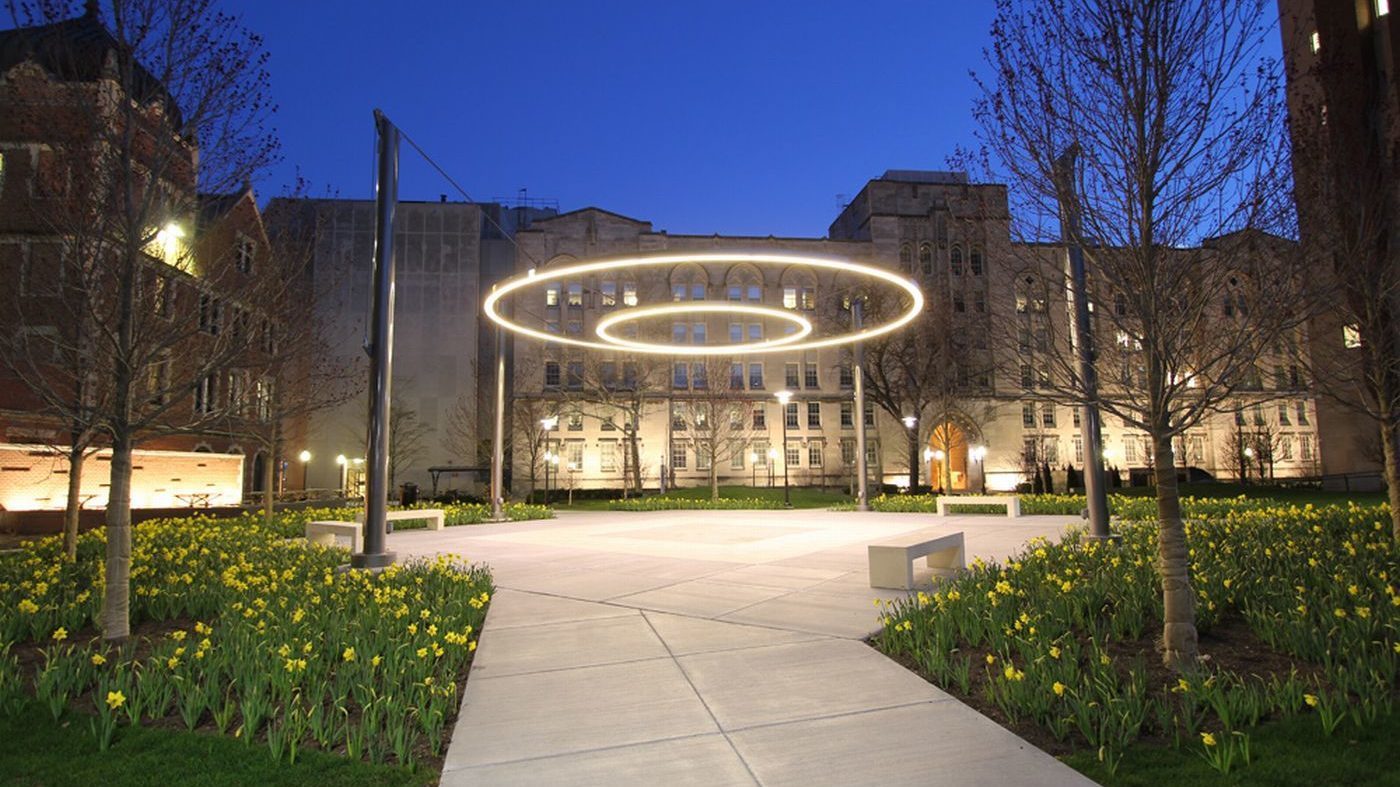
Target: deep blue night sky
<point>733,117</point>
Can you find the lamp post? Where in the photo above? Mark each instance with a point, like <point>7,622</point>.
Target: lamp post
<point>305,458</point>
<point>753,468</point>
<point>547,425</point>
<point>928,463</point>
<point>1244,466</point>
<point>941,458</point>
<point>978,453</point>
<point>341,463</point>
<point>783,398</point>
<point>772,462</point>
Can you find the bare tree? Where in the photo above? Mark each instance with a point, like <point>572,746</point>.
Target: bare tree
<point>618,390</point>
<point>406,434</point>
<point>1173,122</point>
<point>528,433</point>
<point>180,106</point>
<point>718,415</point>
<point>1347,168</point>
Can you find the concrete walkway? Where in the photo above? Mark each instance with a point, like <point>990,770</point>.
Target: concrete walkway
<point>712,648</point>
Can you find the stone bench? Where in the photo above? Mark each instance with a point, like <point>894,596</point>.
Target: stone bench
<point>892,564</point>
<point>326,532</point>
<point>1012,503</point>
<point>437,519</point>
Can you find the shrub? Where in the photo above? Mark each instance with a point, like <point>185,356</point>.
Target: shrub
<point>665,503</point>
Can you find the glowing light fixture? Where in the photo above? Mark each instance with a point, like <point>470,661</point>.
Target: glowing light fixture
<point>304,456</point>
<point>341,460</point>
<point>517,284</point>
<point>804,328</point>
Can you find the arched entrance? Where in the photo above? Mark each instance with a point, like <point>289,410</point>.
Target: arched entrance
<point>948,465</point>
<point>259,468</point>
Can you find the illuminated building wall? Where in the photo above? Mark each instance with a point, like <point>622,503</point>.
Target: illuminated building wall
<point>33,478</point>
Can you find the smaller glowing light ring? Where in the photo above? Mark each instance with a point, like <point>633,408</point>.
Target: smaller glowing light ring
<point>491,306</point>
<point>804,328</point>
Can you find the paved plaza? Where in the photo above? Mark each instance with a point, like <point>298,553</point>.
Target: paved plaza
<point>712,648</point>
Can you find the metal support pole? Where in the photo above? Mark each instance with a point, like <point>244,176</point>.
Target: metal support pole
<point>787,492</point>
<point>1082,338</point>
<point>498,448</point>
<point>862,490</point>
<point>380,348</point>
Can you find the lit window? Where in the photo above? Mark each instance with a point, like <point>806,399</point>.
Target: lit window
<point>1316,42</point>
<point>609,291</point>
<point>576,294</point>
<point>789,297</point>
<point>1351,336</point>
<point>551,295</point>
<point>629,293</point>
<point>1382,7</point>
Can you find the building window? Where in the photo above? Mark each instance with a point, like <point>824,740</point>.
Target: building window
<point>211,314</point>
<point>575,327</point>
<point>1075,417</point>
<point>1130,449</point>
<point>608,294</point>
<point>698,376</point>
<point>204,391</point>
<point>575,422</point>
<point>246,251</point>
<point>551,296</point>
<point>680,375</point>
<point>793,455</point>
<point>809,377</point>
<point>551,374</point>
<point>1259,415</point>
<point>906,258</point>
<point>1120,305</point>
<point>847,376</point>
<point>955,262</point>
<point>1028,415</point>
<point>848,415</point>
<point>760,417</point>
<point>755,376</point>
<point>1047,415</point>
<point>736,332</point>
<point>790,415</point>
<point>264,399</point>
<point>607,456</point>
<point>1030,447</point>
<point>979,302</point>
<point>1301,408</point>
<point>677,417</point>
<point>790,376</point>
<point>869,413</point>
<point>236,391</point>
<point>959,304</point>
<point>815,450</point>
<point>1305,447</point>
<point>702,457</point>
<point>1027,376</point>
<point>975,260</point>
<point>678,456</point>
<point>1050,450</point>
<point>848,452</point>
<point>926,259</point>
<point>1283,419</point>
<point>629,293</point>
<point>814,415</point>
<point>736,377</point>
<point>1351,336</point>
<point>161,296</point>
<point>1079,450</point>
<point>697,333</point>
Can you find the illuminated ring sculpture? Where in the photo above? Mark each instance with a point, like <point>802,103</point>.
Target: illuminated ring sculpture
<point>804,328</point>
<point>535,279</point>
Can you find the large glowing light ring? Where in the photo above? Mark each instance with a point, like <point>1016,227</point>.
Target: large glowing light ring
<point>535,278</point>
<point>804,328</point>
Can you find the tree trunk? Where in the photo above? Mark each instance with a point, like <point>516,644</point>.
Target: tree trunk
<point>269,485</point>
<point>116,599</point>
<point>1178,598</point>
<point>914,459</point>
<point>73,510</point>
<point>714,478</point>
<point>1392,467</point>
<point>636,462</point>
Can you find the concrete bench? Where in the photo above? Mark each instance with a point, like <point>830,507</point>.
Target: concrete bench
<point>326,532</point>
<point>892,564</point>
<point>1012,503</point>
<point>437,520</point>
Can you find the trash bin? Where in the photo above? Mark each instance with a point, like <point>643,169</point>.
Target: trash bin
<point>408,494</point>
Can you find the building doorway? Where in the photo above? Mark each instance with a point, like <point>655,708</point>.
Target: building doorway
<point>948,458</point>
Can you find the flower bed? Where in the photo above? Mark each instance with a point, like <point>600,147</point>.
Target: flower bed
<point>1060,641</point>
<point>293,523</point>
<point>662,503</point>
<point>1124,506</point>
<point>248,634</point>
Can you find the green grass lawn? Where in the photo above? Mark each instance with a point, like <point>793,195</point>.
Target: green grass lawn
<point>1292,751</point>
<point>802,497</point>
<point>39,751</point>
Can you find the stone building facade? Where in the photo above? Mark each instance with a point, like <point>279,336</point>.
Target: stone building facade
<point>947,235</point>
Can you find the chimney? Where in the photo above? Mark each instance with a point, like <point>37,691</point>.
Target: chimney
<point>442,198</point>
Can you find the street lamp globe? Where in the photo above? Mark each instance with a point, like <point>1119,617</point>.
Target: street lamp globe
<point>939,455</point>
<point>909,421</point>
<point>304,456</point>
<point>341,460</point>
<point>929,453</point>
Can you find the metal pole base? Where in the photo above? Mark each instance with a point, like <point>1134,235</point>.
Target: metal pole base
<point>1114,538</point>
<point>374,560</point>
